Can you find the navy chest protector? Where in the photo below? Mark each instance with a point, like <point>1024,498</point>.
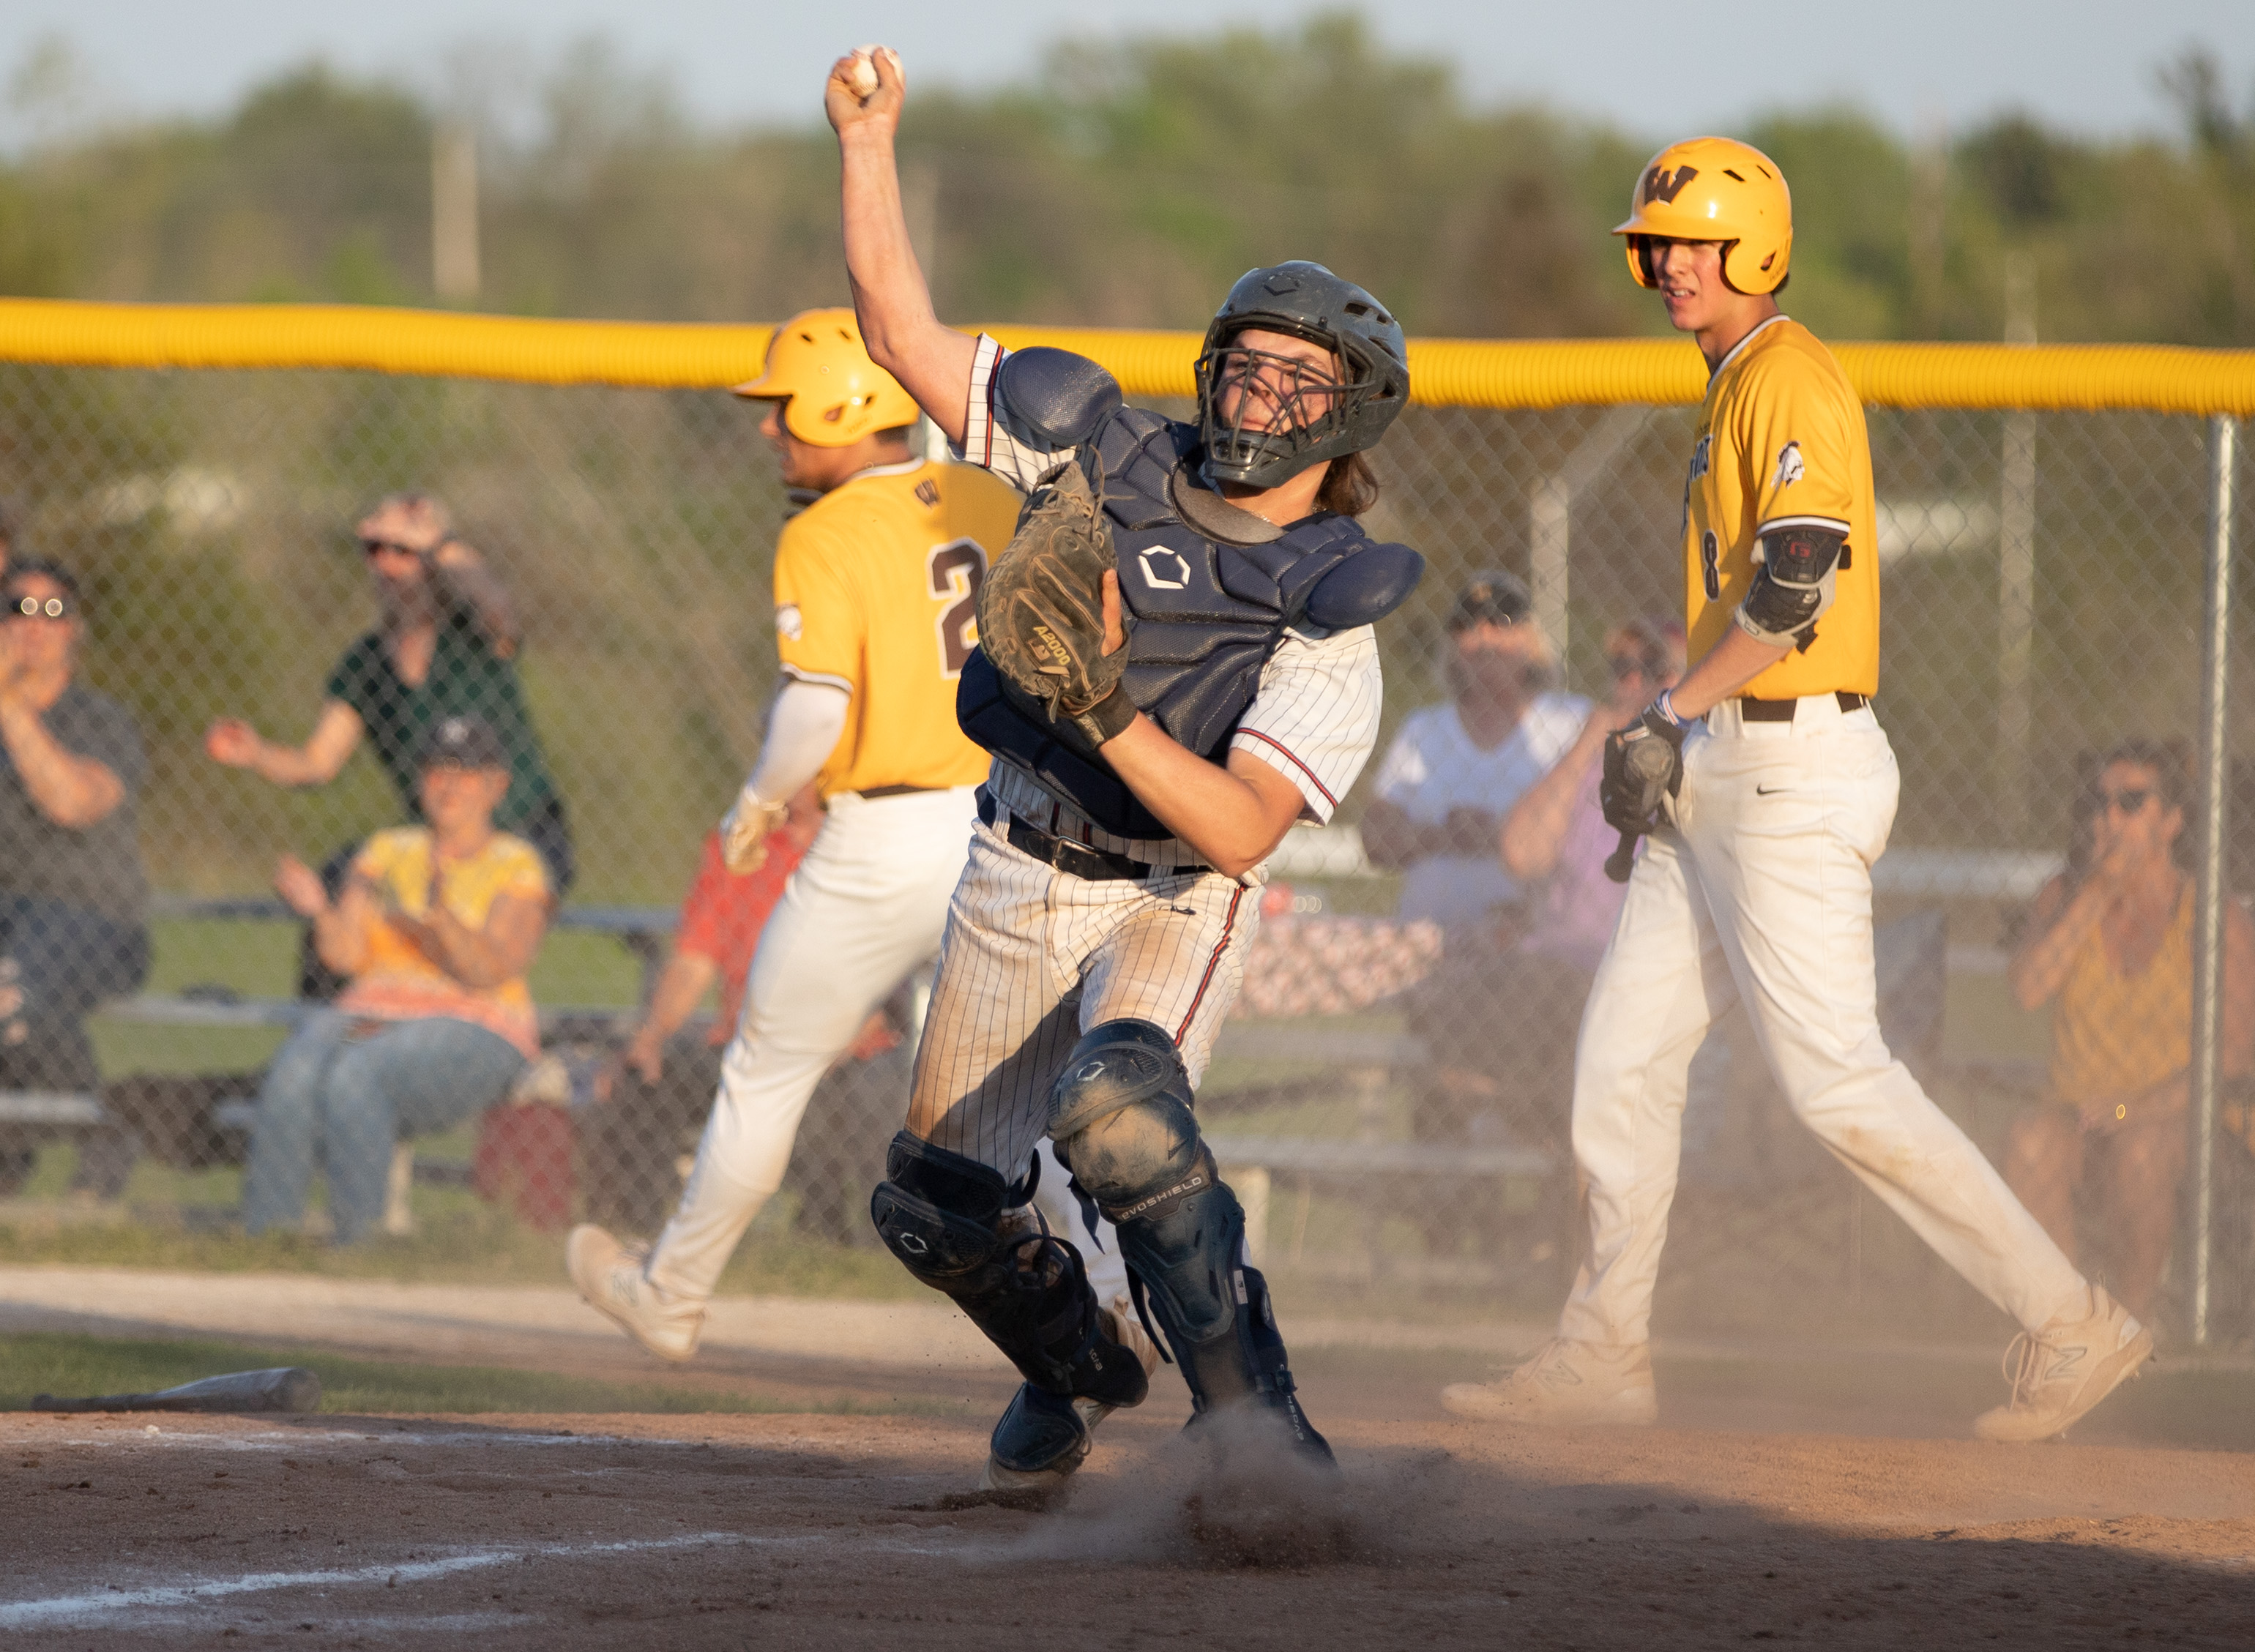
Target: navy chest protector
<point>1203,618</point>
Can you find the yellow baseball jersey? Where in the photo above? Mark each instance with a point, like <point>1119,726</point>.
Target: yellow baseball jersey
<point>1782,439</point>
<point>876,590</point>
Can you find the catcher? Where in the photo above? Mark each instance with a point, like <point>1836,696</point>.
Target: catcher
<point>1176,664</point>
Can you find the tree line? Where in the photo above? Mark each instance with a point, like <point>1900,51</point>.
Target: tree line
<point>1126,182</point>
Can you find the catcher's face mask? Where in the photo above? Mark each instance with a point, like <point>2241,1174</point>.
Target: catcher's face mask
<point>1267,398</point>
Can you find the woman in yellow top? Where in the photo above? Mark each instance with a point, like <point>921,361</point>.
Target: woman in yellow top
<point>2110,950</point>
<point>436,927</point>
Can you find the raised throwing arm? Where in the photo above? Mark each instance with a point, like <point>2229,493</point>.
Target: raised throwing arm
<point>903,332</point>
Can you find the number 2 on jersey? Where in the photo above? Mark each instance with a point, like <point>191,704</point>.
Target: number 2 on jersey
<point>956,569</point>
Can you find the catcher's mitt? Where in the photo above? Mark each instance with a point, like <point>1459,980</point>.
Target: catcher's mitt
<point>1040,610</point>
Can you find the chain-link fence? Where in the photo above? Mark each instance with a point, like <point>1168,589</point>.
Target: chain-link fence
<point>1391,1098</point>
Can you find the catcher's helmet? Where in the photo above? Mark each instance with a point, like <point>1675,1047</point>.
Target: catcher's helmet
<point>1308,301</point>
<point>833,394</point>
<point>1716,189</point>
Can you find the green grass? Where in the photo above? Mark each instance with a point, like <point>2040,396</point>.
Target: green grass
<point>51,1363</point>
<point>260,961</point>
<point>179,1221</point>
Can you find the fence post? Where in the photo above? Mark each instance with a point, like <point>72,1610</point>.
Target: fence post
<point>2016,625</point>
<point>2211,893</point>
<point>1549,526</point>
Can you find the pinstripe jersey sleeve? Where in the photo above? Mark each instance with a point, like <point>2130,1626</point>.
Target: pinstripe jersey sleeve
<point>987,442</point>
<point>1315,718</point>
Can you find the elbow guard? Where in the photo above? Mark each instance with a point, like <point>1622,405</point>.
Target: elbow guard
<point>1795,562</point>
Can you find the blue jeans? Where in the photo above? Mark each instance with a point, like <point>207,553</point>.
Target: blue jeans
<point>350,1087</point>
<point>63,961</point>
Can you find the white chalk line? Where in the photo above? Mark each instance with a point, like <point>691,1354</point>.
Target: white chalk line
<point>60,1609</point>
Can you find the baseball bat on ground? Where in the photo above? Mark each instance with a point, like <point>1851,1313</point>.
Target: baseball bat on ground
<point>284,1388</point>
<point>1619,863</point>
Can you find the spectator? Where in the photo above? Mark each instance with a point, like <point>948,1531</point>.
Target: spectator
<point>445,646</point>
<point>71,890</point>
<point>436,927</point>
<point>1456,769</point>
<point>1555,838</point>
<point>2110,947</point>
<point>1500,1015</point>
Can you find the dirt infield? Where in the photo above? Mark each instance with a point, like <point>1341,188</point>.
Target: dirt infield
<point>851,1531</point>
<point>1796,1493</point>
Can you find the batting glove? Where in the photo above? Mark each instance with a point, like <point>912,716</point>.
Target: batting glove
<point>744,831</point>
<point>1643,768</point>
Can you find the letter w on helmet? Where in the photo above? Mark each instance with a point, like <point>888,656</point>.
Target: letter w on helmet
<point>1715,189</point>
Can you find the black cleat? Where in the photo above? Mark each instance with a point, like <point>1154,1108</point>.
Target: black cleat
<point>1042,1439</point>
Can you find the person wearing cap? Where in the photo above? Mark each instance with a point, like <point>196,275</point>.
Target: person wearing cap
<point>436,927</point>
<point>445,646</point>
<point>71,890</point>
<point>1455,769</point>
<point>876,581</point>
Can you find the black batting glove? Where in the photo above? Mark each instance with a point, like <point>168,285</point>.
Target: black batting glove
<point>1643,769</point>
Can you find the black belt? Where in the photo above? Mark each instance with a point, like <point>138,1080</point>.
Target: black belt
<point>1079,859</point>
<point>1755,710</point>
<point>897,791</point>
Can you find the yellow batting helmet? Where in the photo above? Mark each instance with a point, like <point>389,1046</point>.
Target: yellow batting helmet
<point>833,394</point>
<point>1716,189</point>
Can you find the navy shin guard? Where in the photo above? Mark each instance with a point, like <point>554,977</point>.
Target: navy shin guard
<point>940,1214</point>
<point>1120,1116</point>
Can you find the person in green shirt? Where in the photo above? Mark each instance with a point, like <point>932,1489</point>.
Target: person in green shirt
<point>445,646</point>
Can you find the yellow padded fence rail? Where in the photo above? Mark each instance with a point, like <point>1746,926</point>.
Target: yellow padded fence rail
<point>1445,372</point>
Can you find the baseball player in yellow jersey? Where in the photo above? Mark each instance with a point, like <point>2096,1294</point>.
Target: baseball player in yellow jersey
<point>1767,789</point>
<point>875,587</point>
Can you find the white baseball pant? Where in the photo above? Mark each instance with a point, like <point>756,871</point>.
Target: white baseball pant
<point>1763,895</point>
<point>1034,957</point>
<point>864,910</point>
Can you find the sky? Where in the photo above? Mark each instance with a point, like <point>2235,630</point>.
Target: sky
<point>1660,69</point>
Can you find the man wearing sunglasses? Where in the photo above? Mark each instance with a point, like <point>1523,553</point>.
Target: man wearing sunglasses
<point>71,890</point>
<point>1766,789</point>
<point>445,646</point>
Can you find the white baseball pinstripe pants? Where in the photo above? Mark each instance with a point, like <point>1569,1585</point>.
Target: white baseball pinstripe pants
<point>865,908</point>
<point>1034,957</point>
<point>1763,895</point>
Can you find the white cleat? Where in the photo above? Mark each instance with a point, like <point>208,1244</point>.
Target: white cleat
<point>1566,1385</point>
<point>1124,1326</point>
<point>2061,1371</point>
<point>609,1277</point>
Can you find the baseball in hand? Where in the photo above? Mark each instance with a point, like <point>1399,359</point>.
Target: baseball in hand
<point>863,77</point>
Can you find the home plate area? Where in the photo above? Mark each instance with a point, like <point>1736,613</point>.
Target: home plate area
<point>855,1531</point>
